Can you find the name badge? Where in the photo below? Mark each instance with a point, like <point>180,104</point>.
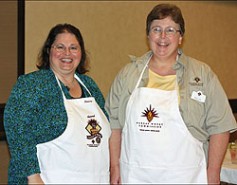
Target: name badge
<point>198,96</point>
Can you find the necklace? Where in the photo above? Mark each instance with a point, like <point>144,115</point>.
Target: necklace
<point>67,88</point>
<point>70,85</point>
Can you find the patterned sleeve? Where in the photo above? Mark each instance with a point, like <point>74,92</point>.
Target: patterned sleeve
<point>18,118</point>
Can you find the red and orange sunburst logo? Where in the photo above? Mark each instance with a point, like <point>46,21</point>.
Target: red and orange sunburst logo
<point>149,113</point>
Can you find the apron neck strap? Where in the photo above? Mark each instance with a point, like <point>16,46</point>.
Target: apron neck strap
<point>140,77</point>
<point>79,80</point>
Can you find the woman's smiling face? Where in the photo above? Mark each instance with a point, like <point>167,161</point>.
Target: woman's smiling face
<point>162,44</point>
<point>65,54</point>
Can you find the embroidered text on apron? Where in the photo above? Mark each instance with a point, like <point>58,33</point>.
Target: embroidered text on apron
<point>156,144</point>
<point>81,153</point>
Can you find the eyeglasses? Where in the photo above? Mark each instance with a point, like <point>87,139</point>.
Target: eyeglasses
<point>169,31</point>
<point>60,48</point>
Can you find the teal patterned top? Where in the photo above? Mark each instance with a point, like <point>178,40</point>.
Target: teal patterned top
<point>34,114</point>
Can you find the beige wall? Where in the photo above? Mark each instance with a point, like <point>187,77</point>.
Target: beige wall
<point>114,29</point>
<point>4,161</point>
<point>8,69</point>
<point>8,48</point>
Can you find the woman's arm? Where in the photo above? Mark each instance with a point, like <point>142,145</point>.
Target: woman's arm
<point>21,131</point>
<point>115,144</point>
<point>219,121</point>
<point>217,148</point>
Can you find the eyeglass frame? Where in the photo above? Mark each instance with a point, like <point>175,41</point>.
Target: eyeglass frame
<point>64,48</point>
<point>169,34</point>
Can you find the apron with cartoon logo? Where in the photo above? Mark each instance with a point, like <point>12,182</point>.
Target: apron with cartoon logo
<point>156,144</point>
<point>81,153</point>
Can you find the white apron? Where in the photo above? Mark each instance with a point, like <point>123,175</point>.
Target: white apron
<point>81,153</point>
<point>156,144</point>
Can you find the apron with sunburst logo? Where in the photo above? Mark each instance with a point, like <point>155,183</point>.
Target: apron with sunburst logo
<point>81,153</point>
<point>156,144</point>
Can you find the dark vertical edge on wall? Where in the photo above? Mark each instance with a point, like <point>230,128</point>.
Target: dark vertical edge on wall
<point>21,37</point>
<point>2,133</point>
<point>233,104</point>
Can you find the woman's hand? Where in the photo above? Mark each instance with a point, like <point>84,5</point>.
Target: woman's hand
<point>35,179</point>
